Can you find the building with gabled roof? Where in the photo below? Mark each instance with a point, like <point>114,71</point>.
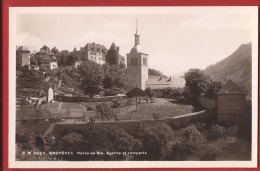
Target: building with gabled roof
<point>91,51</point>
<point>231,103</point>
<point>230,88</point>
<point>158,83</point>
<point>46,59</point>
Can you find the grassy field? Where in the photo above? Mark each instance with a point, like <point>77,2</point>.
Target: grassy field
<point>66,109</point>
<point>161,108</point>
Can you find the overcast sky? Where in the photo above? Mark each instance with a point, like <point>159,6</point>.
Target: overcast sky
<point>175,41</point>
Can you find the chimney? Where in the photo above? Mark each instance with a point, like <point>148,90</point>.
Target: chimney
<point>81,48</point>
<point>118,48</point>
<point>169,79</point>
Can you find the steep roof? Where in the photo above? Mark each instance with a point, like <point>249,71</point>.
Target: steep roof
<point>22,48</point>
<point>95,48</point>
<point>230,88</point>
<point>159,82</point>
<point>113,47</point>
<point>42,51</point>
<point>33,114</point>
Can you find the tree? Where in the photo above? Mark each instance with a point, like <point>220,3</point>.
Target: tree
<point>54,50</point>
<point>46,48</point>
<point>214,87</point>
<point>61,62</point>
<point>167,92</point>
<point>154,140</point>
<point>91,77</point>
<point>95,138</point>
<point>196,82</point>
<point>122,62</point>
<point>176,93</point>
<point>115,76</point>
<point>30,78</point>
<point>154,72</point>
<point>72,58</point>
<point>149,92</point>
<point>105,110</point>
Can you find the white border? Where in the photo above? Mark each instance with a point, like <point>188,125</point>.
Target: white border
<point>13,11</point>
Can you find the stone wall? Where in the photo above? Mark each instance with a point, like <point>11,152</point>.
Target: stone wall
<point>133,125</point>
<point>207,102</point>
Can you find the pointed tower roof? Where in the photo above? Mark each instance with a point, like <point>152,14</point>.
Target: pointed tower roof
<point>113,47</point>
<point>137,47</point>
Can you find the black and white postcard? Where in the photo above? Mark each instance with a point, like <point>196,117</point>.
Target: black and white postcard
<point>158,87</point>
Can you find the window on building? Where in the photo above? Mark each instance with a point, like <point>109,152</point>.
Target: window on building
<point>144,61</point>
<point>95,53</point>
<point>99,58</point>
<point>134,61</point>
<point>95,58</point>
<point>91,57</point>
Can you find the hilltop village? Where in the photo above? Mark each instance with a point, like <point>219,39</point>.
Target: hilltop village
<point>95,100</point>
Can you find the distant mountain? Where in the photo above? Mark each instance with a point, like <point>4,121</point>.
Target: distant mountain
<point>236,67</point>
<point>154,72</point>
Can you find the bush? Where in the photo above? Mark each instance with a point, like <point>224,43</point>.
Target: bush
<point>210,153</point>
<point>105,110</point>
<point>191,136</point>
<point>154,138</point>
<point>115,103</point>
<point>156,116</point>
<point>180,151</point>
<point>110,93</point>
<point>200,126</point>
<point>216,132</point>
<point>231,131</point>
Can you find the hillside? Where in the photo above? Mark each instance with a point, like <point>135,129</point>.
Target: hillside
<point>153,72</point>
<point>236,67</point>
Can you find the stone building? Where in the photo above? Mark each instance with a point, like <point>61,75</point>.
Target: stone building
<point>137,72</point>
<point>22,56</point>
<point>137,66</point>
<point>46,59</point>
<point>113,56</point>
<point>158,83</point>
<point>231,103</point>
<point>92,51</point>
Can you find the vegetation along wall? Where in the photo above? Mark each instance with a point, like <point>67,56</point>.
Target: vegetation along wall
<point>133,125</point>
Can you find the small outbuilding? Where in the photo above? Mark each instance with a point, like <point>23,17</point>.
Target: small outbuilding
<point>231,103</point>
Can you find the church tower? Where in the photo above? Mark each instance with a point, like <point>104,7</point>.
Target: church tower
<point>137,65</point>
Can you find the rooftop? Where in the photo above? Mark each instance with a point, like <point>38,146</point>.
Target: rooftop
<point>159,82</point>
<point>230,88</point>
<point>22,48</point>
